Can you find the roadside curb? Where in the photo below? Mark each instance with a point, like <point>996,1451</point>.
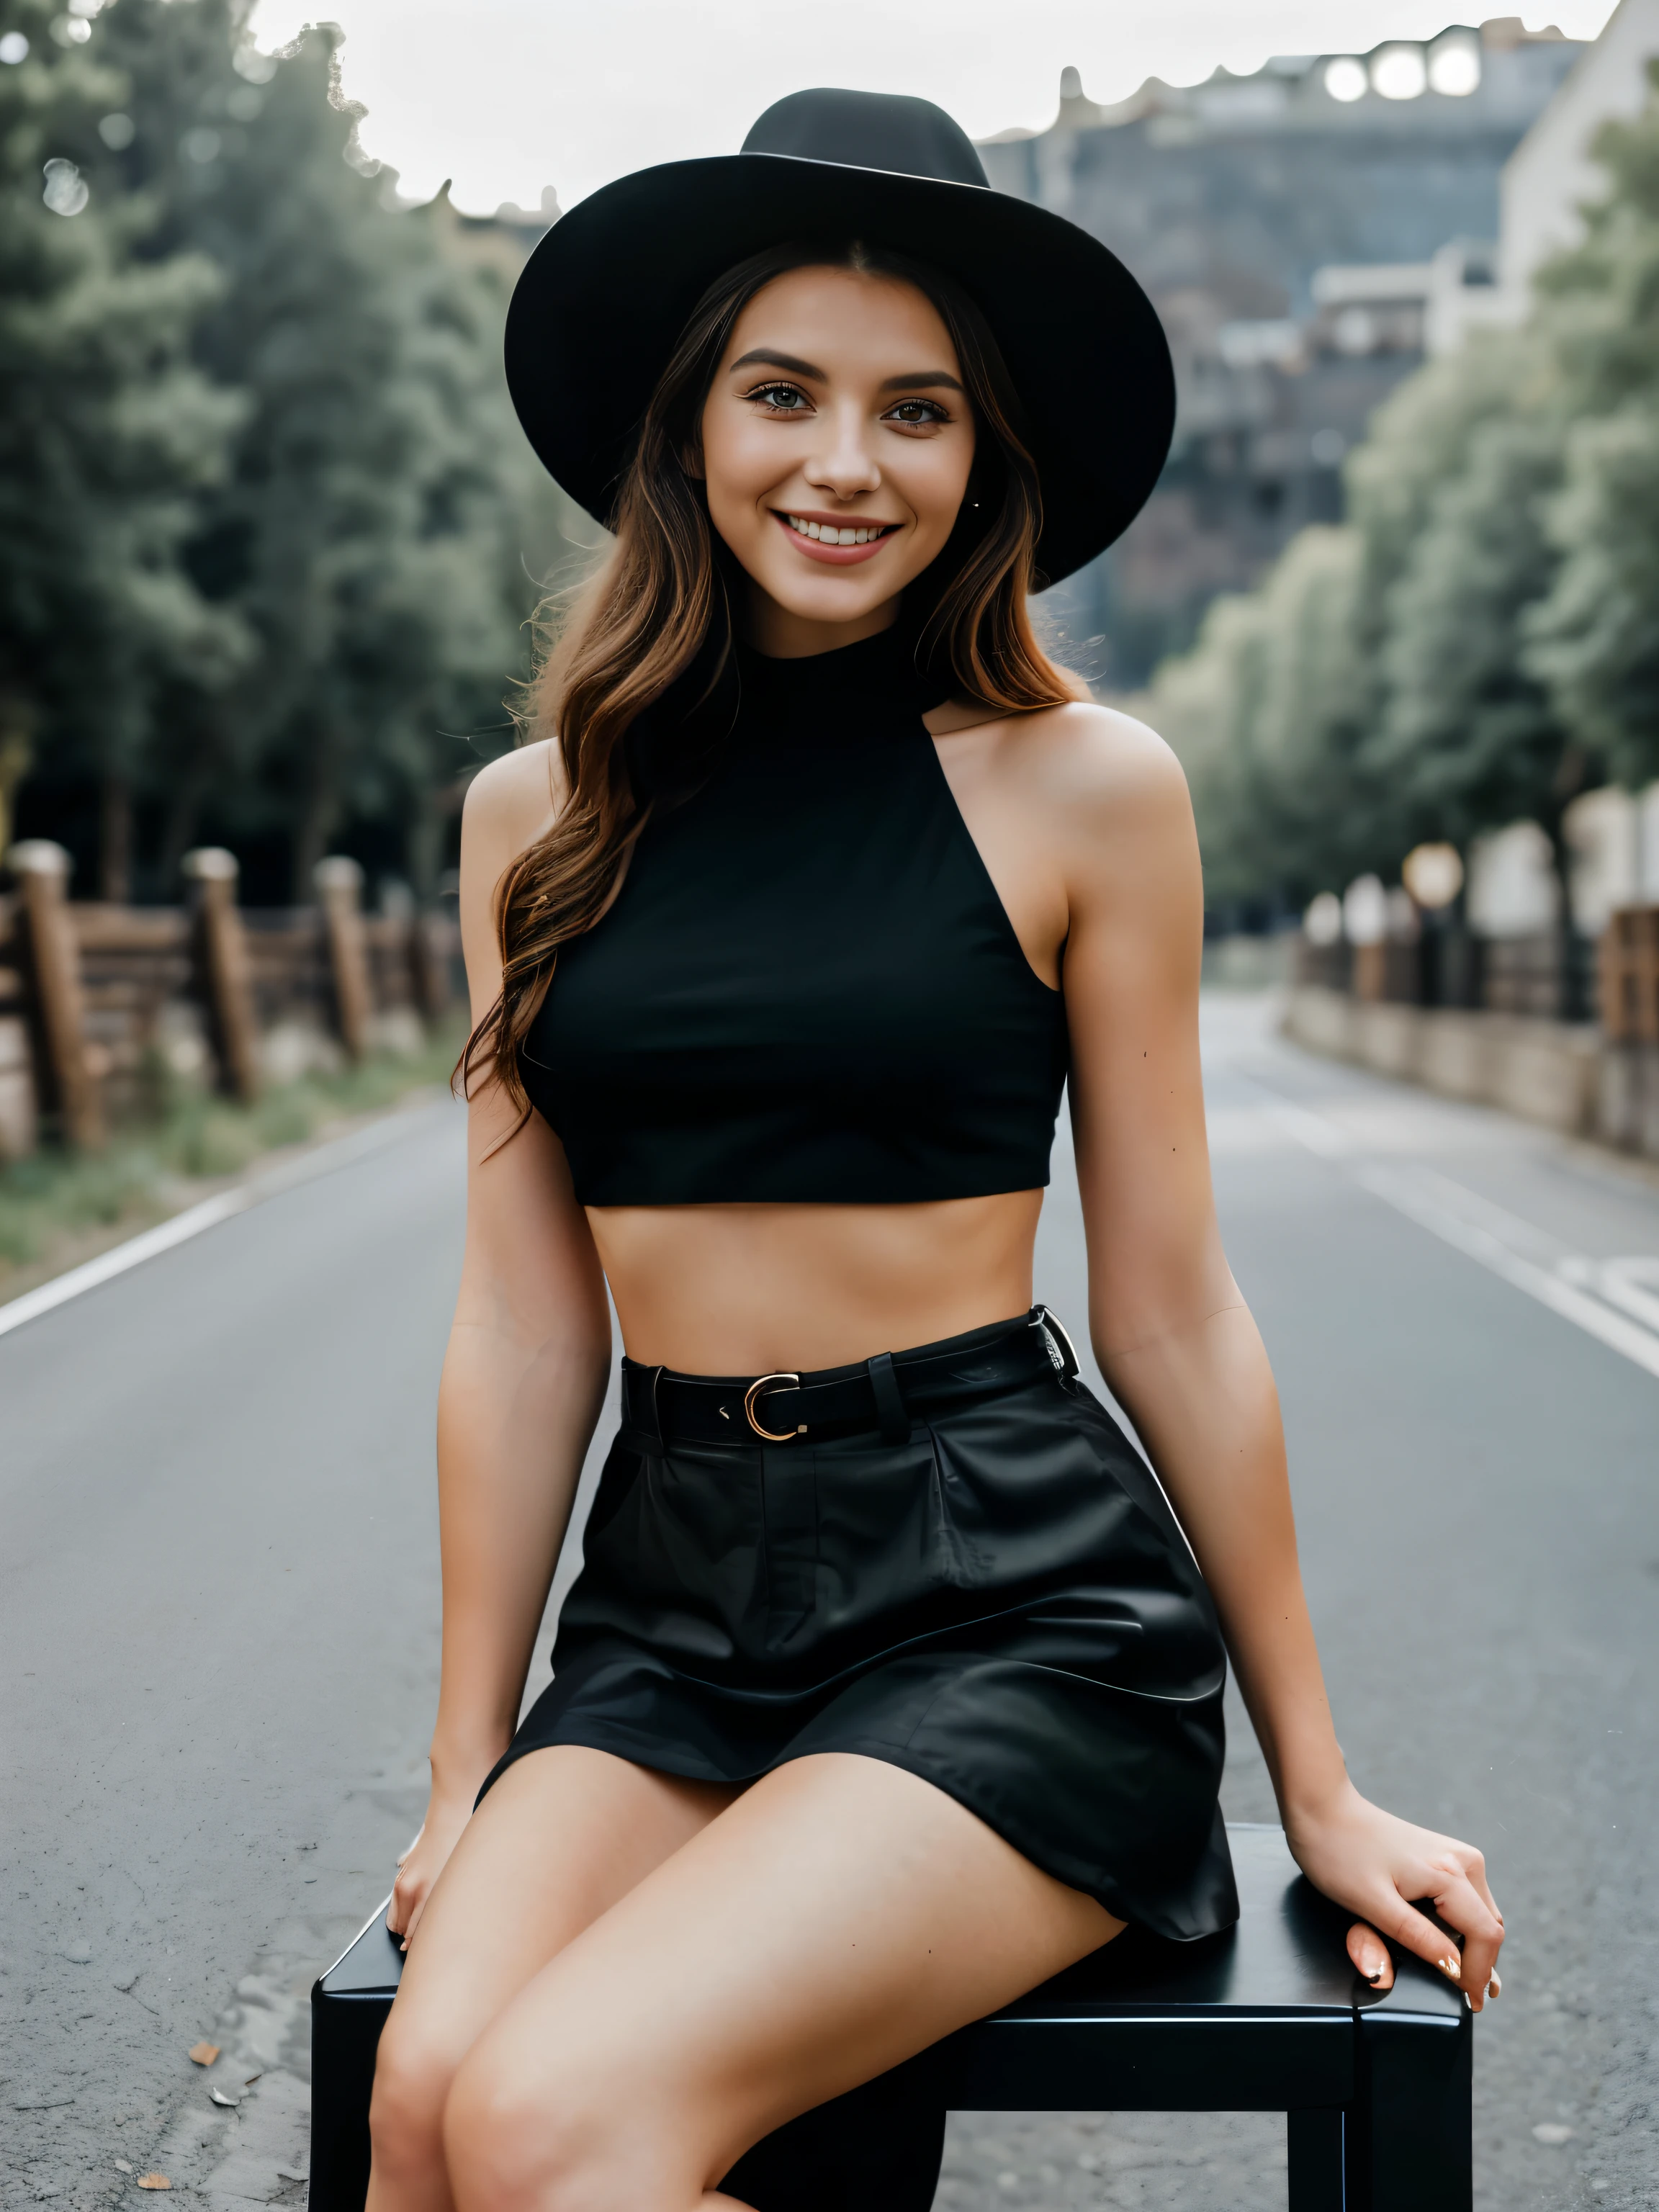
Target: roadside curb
<point>259,1184</point>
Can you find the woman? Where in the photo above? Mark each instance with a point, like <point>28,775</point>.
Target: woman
<point>889,1687</point>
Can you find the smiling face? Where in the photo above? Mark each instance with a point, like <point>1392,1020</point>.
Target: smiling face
<point>836,445</point>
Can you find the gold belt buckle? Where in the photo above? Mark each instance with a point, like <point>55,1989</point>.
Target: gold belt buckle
<point>772,1435</point>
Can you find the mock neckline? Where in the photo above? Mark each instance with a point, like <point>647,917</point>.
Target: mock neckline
<point>881,668</point>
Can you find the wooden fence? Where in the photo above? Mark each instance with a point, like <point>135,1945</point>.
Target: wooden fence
<point>1629,966</point>
<point>1629,983</point>
<point>1499,1037</point>
<point>101,1006</point>
<point>1535,975</point>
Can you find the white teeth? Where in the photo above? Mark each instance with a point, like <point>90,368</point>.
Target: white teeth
<point>828,533</point>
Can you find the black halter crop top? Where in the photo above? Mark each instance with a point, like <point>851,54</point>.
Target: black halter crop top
<point>808,989</point>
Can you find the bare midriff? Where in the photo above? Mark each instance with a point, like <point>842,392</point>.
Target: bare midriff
<point>750,1290</point>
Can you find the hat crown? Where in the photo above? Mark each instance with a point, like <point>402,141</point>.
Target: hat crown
<point>869,131</point>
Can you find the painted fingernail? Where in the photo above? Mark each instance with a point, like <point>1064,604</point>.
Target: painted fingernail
<point>1494,1987</point>
<point>1452,1965</point>
<point>1469,2001</point>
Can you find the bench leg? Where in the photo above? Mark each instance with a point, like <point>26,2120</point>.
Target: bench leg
<point>1316,2143</point>
<point>345,2034</point>
<point>1416,2080</point>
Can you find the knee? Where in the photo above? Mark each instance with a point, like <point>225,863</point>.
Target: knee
<point>508,2148</point>
<point>413,2073</point>
<point>555,2141</point>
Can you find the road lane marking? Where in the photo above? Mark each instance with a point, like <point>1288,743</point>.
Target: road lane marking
<point>1467,1206</point>
<point>324,1159</point>
<point>1628,1288</point>
<point>1631,1285</point>
<point>1395,1188</point>
<point>120,1257</point>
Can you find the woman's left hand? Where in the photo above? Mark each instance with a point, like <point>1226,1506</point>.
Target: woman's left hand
<point>1375,1865</point>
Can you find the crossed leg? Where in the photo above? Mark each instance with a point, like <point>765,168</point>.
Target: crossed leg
<point>835,1918</point>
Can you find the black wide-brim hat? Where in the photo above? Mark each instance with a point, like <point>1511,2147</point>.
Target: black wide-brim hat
<point>602,300</point>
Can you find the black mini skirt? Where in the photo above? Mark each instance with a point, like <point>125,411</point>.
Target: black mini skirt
<point>949,1559</point>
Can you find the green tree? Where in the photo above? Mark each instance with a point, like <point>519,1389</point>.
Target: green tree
<point>108,433</point>
<point>1204,702</point>
<point>1593,639</point>
<point>1401,705</point>
<point>1482,643</point>
<point>1449,492</point>
<point>1268,716</point>
<point>1416,442</point>
<point>1594,634</point>
<point>1467,736</point>
<point>368,532</point>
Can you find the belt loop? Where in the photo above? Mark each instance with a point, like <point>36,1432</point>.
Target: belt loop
<point>890,1400</point>
<point>639,1402</point>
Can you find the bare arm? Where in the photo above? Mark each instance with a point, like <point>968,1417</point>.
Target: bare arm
<point>1177,1342</point>
<point>523,1377</point>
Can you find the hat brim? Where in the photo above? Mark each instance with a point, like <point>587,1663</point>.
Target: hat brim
<point>605,297</point>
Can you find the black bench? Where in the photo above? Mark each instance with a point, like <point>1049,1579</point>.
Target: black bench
<point>1269,2018</point>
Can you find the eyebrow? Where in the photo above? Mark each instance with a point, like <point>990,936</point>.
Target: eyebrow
<point>917,380</point>
<point>763,356</point>
<point>920,380</point>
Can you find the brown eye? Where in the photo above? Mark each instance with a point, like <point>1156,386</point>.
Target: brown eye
<point>918,413</point>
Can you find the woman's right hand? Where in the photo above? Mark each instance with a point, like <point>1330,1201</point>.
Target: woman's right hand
<point>447,1813</point>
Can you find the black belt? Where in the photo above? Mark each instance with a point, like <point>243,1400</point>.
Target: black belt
<point>661,1408</point>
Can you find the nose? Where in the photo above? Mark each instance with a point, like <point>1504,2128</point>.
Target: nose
<point>842,462</point>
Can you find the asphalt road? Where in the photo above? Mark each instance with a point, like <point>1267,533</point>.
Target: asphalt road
<point>218,1613</point>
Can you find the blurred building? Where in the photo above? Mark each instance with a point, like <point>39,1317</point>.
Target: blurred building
<point>1304,232</point>
<point>1551,173</point>
<point>510,235</point>
<point>1547,179</point>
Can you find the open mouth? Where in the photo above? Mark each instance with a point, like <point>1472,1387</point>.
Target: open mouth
<point>822,538</point>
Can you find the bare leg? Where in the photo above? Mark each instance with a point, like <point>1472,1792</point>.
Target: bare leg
<point>561,1838</point>
<point>840,1915</point>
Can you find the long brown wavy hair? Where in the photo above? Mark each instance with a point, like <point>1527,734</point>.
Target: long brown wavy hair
<point>638,691</point>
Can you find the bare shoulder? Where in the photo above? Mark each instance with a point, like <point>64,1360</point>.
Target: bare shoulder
<point>1092,772</point>
<point>1097,754</point>
<point>512,802</point>
<point>510,805</point>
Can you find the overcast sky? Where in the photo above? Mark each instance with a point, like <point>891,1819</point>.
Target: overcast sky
<point>506,96</point>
